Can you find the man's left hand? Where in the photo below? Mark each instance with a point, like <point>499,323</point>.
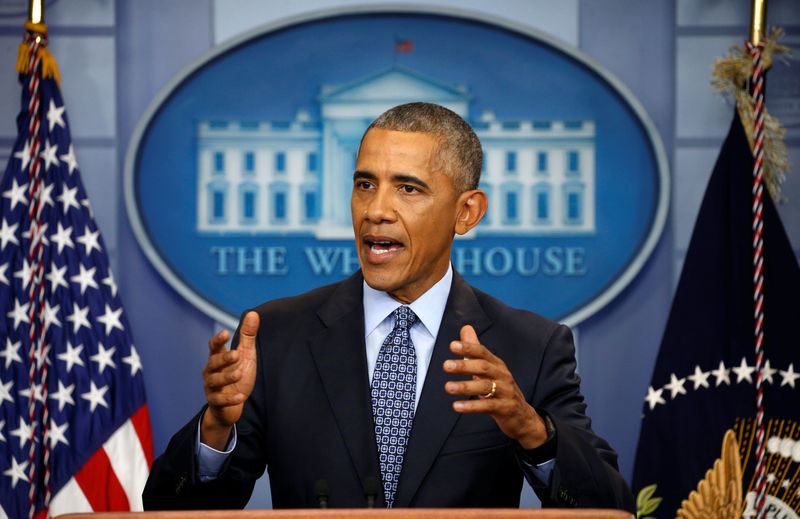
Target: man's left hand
<point>499,395</point>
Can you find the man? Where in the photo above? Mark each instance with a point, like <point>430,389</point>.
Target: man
<point>402,374</point>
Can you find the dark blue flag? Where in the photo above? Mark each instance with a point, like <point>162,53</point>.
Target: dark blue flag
<point>74,430</point>
<point>704,379</point>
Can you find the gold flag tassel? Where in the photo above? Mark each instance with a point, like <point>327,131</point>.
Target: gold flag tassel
<point>49,65</point>
<point>730,75</point>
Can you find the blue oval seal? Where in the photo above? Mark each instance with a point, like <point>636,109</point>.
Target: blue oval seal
<point>238,176</point>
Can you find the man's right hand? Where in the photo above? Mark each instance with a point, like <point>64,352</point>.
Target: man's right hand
<point>228,379</point>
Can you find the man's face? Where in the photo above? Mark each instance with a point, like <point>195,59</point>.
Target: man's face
<point>404,212</point>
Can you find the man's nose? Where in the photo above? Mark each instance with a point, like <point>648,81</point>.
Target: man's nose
<point>380,207</point>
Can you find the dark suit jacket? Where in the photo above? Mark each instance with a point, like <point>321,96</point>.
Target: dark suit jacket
<point>310,417</point>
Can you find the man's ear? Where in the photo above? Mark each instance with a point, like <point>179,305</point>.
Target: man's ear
<point>471,208</point>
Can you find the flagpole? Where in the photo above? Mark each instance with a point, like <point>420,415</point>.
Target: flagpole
<point>30,58</point>
<point>758,16</point>
<point>36,11</point>
<point>755,47</point>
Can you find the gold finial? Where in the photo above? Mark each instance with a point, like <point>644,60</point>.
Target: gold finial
<point>758,18</point>
<point>36,11</point>
<point>36,40</point>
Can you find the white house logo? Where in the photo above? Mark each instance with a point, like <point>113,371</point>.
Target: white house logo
<point>268,176</point>
<point>239,190</point>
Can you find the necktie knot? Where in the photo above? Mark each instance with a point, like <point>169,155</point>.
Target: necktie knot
<point>404,317</point>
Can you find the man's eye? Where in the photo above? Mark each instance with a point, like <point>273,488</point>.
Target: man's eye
<point>363,184</point>
<point>409,189</point>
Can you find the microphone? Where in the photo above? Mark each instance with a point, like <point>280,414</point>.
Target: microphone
<point>321,492</point>
<point>371,489</point>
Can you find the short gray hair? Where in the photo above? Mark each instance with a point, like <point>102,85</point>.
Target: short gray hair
<point>459,152</point>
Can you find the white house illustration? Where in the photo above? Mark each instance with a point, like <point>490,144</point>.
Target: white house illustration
<point>295,177</point>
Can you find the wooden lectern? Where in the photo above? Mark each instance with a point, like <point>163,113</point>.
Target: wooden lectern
<point>374,513</point>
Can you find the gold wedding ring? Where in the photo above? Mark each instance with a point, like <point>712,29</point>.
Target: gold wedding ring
<point>491,393</point>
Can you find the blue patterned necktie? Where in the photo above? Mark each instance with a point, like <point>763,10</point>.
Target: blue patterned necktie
<point>394,388</point>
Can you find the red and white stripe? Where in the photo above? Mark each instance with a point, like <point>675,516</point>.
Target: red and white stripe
<point>114,477</point>
<point>757,82</point>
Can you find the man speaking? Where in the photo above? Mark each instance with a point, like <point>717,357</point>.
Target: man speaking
<point>402,384</point>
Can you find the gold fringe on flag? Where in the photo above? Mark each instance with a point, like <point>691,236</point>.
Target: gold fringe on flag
<point>49,65</point>
<point>730,75</point>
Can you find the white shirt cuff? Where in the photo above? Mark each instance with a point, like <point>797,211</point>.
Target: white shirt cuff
<point>209,459</point>
<point>538,476</point>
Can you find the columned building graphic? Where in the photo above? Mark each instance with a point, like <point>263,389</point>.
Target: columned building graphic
<point>295,177</point>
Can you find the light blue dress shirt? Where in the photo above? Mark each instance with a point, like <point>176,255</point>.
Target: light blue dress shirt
<point>378,323</point>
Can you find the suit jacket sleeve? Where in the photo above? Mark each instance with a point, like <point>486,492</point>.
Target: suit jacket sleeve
<point>585,473</point>
<point>173,483</point>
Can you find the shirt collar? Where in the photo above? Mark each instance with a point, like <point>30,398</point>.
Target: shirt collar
<point>429,307</point>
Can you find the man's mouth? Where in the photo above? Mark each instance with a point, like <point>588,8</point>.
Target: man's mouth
<point>383,246</point>
<point>381,249</point>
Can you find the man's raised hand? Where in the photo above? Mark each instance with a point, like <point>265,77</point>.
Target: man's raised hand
<point>228,380</point>
<point>501,396</point>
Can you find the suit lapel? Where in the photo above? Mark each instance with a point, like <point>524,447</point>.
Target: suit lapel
<point>340,356</point>
<point>435,417</point>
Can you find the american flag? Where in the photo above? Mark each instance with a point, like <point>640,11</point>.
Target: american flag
<point>403,45</point>
<point>74,428</point>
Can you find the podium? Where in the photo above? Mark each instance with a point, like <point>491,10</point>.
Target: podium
<point>373,513</point>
